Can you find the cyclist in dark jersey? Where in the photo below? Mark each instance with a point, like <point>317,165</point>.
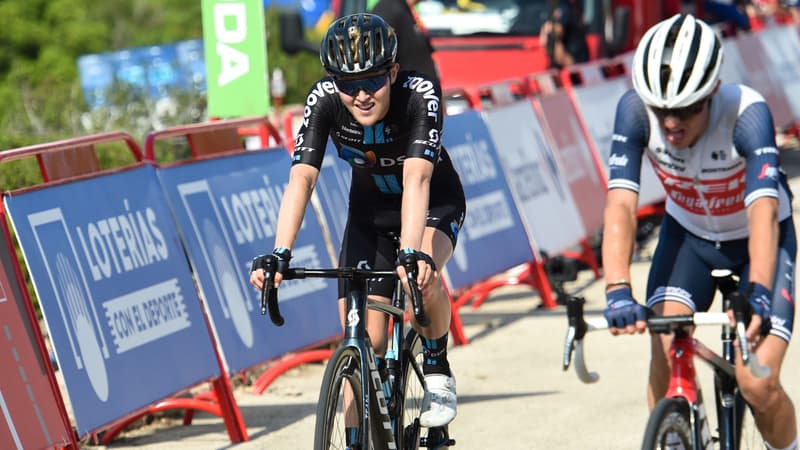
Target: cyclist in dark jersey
<point>387,125</point>
<point>728,207</point>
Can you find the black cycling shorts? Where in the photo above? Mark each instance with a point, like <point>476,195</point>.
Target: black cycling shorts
<point>368,243</point>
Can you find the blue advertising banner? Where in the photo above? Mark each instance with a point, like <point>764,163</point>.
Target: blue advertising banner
<point>154,71</point>
<point>333,194</point>
<point>493,238</point>
<point>116,292</point>
<point>227,210</point>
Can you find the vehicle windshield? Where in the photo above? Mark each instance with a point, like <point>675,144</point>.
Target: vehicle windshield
<point>445,18</point>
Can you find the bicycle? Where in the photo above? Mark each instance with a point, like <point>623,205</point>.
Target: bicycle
<point>679,419</point>
<point>371,409</point>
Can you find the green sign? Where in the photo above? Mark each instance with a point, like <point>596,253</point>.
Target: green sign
<point>236,58</point>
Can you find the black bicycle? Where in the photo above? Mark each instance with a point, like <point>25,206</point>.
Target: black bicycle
<point>362,406</point>
<point>679,420</point>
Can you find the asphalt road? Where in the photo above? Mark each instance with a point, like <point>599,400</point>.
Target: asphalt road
<point>513,393</point>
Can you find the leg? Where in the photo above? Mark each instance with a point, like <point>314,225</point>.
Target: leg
<point>434,297</point>
<point>439,403</point>
<point>772,409</point>
<point>658,380</point>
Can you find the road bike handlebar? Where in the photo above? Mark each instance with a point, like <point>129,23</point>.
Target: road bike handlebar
<point>578,327</point>
<point>269,294</point>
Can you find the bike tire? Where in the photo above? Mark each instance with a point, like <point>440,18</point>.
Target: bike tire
<point>413,390</point>
<point>343,372</point>
<point>669,426</point>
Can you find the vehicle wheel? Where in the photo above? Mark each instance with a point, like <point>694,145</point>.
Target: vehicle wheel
<point>669,426</point>
<point>413,390</point>
<point>341,405</point>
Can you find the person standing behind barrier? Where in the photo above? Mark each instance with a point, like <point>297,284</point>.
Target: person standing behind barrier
<point>387,125</point>
<point>564,35</point>
<point>728,207</point>
<point>414,49</point>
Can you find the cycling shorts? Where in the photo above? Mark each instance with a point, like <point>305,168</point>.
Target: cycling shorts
<point>367,241</point>
<point>682,265</point>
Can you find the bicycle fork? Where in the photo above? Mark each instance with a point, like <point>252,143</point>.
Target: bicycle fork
<point>683,384</point>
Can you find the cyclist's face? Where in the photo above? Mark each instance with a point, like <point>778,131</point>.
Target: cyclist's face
<point>683,127</point>
<point>369,103</point>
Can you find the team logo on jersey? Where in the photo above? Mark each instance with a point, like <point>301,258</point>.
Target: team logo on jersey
<point>720,196</point>
<point>358,158</point>
<point>768,171</point>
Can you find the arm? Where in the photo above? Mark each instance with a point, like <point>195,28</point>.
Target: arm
<point>417,174</point>
<point>302,179</point>
<point>619,233</point>
<point>762,219</point>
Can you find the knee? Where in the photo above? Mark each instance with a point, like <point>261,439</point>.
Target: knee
<point>434,293</point>
<point>762,394</point>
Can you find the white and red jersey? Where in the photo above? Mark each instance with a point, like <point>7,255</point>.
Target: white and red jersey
<point>710,184</point>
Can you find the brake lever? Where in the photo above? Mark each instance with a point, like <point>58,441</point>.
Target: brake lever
<point>741,316</point>
<point>269,294</point>
<point>412,272</point>
<point>574,341</point>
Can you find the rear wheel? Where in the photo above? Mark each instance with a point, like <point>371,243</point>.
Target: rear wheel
<point>669,426</point>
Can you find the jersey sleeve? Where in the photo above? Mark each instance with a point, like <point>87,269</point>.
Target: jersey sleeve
<point>425,116</point>
<point>318,115</point>
<point>754,139</point>
<point>631,132</point>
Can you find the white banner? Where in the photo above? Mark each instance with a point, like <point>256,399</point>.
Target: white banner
<point>536,181</point>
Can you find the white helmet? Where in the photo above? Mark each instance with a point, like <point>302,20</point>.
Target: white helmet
<point>677,62</point>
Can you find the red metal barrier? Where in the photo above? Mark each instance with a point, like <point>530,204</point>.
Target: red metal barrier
<point>216,137</point>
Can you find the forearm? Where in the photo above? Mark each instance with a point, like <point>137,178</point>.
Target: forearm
<point>619,232</point>
<point>414,210</point>
<point>293,205</point>
<point>762,216</point>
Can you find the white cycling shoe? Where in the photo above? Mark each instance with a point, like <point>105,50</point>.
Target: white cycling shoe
<point>439,402</point>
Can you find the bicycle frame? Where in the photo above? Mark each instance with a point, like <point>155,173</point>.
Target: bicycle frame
<point>355,336</point>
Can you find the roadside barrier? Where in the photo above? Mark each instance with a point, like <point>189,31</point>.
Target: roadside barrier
<point>226,208</point>
<point>493,237</point>
<point>115,289</point>
<point>594,89</point>
<point>30,399</point>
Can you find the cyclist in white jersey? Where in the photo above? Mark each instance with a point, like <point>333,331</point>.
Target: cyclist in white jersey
<point>728,207</point>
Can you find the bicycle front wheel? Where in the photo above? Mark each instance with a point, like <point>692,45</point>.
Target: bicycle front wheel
<point>413,390</point>
<point>340,411</point>
<point>669,426</point>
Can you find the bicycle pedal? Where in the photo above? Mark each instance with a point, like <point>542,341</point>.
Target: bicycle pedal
<point>437,439</point>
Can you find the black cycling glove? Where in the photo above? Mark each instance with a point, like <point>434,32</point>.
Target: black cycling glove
<point>410,255</point>
<point>277,261</point>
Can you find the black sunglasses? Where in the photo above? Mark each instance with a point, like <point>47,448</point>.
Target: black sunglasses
<point>369,85</point>
<point>685,113</point>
